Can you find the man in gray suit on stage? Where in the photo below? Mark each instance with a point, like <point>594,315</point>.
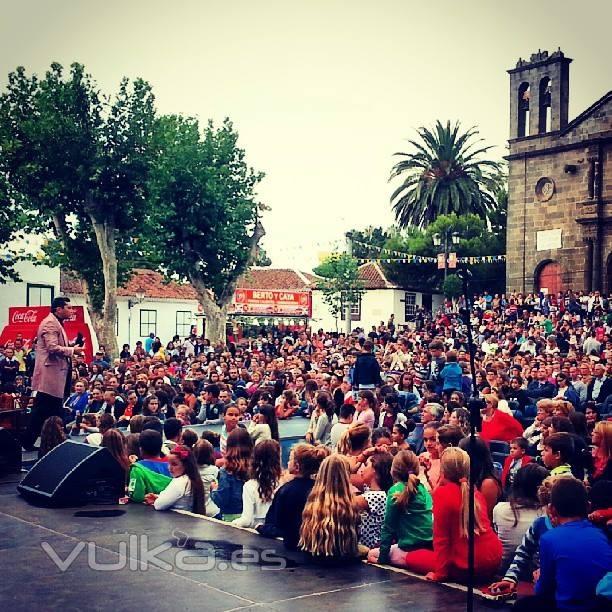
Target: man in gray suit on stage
<point>51,379</point>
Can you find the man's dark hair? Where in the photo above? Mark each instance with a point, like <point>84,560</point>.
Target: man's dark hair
<point>59,302</point>
<point>562,444</point>
<point>150,442</point>
<point>152,422</point>
<point>569,498</point>
<point>172,428</point>
<point>368,346</point>
<point>213,390</point>
<point>347,410</point>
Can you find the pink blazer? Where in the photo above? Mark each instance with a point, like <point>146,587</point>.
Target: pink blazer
<point>52,352</point>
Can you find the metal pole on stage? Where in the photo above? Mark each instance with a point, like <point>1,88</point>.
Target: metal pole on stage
<point>475,406</point>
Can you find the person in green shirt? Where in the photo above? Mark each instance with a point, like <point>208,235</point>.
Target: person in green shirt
<point>408,514</point>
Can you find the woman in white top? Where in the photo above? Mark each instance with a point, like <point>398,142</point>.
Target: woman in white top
<point>258,492</point>
<point>511,519</point>
<point>185,491</point>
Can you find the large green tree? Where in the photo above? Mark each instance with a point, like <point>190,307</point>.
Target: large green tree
<point>80,163</point>
<point>204,199</point>
<point>444,173</point>
<point>339,284</point>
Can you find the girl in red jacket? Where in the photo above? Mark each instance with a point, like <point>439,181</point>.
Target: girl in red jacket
<point>449,558</point>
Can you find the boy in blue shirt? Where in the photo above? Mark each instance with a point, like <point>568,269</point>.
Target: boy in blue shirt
<point>574,556</point>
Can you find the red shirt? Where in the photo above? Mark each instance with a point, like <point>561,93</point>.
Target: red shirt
<point>502,426</point>
<point>450,547</point>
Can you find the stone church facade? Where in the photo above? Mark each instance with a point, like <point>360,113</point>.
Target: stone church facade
<point>560,183</point>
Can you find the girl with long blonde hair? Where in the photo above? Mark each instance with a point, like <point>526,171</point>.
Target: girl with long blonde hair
<point>449,558</point>
<point>329,520</point>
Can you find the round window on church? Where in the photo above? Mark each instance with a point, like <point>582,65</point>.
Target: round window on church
<point>545,189</point>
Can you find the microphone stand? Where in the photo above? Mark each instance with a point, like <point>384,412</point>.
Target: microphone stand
<point>475,406</point>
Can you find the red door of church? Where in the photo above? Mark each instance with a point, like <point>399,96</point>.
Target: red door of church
<point>549,278</point>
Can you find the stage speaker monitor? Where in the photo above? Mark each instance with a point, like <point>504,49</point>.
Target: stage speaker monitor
<point>74,474</point>
<point>10,452</point>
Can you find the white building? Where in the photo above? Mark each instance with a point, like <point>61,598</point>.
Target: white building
<point>380,298</point>
<point>38,286</point>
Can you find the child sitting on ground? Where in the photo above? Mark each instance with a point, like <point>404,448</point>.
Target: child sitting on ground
<point>511,519</point>
<point>258,492</point>
<point>233,475</point>
<point>151,442</point>
<point>209,472</point>
<point>371,504</point>
<point>51,435</point>
<point>408,517</point>
<point>185,491</point>
<point>189,438</point>
<point>526,558</point>
<point>284,517</point>
<point>215,439</point>
<point>329,522</point>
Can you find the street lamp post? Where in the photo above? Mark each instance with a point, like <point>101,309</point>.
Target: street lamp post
<point>475,406</point>
<point>438,240</point>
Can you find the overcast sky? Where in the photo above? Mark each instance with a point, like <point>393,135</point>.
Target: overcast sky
<point>322,92</point>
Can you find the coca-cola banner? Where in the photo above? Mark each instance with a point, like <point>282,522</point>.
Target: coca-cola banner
<point>33,315</point>
<point>24,321</point>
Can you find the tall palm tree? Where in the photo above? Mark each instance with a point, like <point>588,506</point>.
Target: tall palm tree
<point>444,173</point>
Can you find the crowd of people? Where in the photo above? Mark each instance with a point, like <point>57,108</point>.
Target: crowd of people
<point>383,472</point>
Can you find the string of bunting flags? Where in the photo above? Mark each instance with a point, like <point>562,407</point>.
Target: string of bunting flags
<point>399,257</point>
<point>421,259</point>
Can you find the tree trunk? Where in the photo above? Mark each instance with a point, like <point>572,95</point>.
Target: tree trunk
<point>216,316</point>
<point>94,314</point>
<point>215,308</point>
<point>105,237</point>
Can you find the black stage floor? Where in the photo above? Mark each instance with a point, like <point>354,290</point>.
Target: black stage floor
<point>30,536</point>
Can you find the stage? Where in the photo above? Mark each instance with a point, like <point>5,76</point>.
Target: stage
<point>238,570</point>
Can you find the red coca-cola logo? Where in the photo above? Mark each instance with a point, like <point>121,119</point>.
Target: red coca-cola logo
<point>25,316</point>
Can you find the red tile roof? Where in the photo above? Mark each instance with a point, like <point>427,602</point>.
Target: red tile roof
<point>277,278</point>
<point>150,282</point>
<point>372,277</point>
<point>155,287</point>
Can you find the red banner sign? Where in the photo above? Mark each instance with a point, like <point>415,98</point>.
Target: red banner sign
<point>23,322</point>
<point>33,315</point>
<point>272,302</point>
